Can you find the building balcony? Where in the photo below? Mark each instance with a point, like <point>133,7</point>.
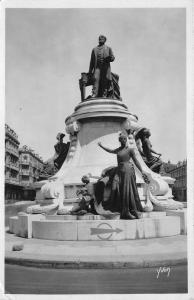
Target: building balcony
<point>12,151</point>
<point>25,172</point>
<point>12,181</point>
<point>11,132</point>
<point>14,166</point>
<point>34,165</point>
<point>25,162</point>
<point>24,183</point>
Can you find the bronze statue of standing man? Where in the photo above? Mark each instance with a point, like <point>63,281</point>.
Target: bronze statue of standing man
<point>101,57</point>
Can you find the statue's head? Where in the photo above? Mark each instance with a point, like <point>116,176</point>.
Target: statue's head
<point>102,39</point>
<point>147,132</point>
<point>142,133</point>
<point>60,136</point>
<point>85,179</point>
<point>122,138</point>
<point>130,131</point>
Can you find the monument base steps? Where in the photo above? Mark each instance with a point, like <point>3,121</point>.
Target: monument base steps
<point>95,227</point>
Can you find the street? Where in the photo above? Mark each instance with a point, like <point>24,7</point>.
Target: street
<point>28,280</point>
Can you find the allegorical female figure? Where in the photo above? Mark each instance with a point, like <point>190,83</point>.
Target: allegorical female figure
<point>124,197</point>
<point>153,162</point>
<point>61,150</point>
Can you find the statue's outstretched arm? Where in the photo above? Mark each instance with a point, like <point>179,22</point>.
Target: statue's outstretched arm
<point>107,149</point>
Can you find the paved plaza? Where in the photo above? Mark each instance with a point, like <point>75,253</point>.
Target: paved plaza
<point>97,254</point>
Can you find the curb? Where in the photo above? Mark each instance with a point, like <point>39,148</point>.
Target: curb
<point>93,265</point>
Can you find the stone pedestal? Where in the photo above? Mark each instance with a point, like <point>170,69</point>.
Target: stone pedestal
<point>93,121</point>
<point>94,227</point>
<point>96,230</point>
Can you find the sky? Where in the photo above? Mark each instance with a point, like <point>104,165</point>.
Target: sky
<point>47,49</point>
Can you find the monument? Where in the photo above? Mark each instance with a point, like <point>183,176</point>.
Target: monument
<point>105,83</point>
<point>98,118</point>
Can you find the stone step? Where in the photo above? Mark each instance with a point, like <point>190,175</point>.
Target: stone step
<point>13,222</point>
<point>21,225</point>
<point>94,230</point>
<point>61,217</point>
<point>182,213</point>
<point>152,214</point>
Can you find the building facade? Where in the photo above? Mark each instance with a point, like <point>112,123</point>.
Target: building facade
<point>179,172</point>
<point>22,168</point>
<point>31,165</point>
<point>13,187</point>
<point>168,167</point>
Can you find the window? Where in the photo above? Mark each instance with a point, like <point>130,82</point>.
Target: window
<point>25,167</point>
<point>25,178</point>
